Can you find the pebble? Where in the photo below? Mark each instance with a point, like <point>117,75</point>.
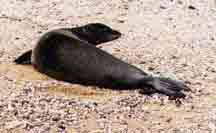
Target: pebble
<point>191,7</point>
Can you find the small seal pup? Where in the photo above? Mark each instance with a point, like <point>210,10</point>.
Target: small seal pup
<point>64,56</point>
<point>93,33</point>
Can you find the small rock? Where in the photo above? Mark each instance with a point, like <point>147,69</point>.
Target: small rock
<point>121,21</point>
<point>169,120</point>
<point>39,32</point>
<point>162,7</point>
<point>28,126</point>
<point>61,127</point>
<point>56,118</point>
<point>191,7</point>
<point>151,68</point>
<point>17,38</point>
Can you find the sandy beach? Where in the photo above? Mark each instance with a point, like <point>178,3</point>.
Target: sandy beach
<point>171,38</point>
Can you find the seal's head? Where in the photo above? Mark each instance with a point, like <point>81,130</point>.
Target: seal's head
<point>96,33</point>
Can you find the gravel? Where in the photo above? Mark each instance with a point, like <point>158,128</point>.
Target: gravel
<point>171,38</point>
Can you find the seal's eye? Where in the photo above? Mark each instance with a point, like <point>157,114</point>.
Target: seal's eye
<point>86,29</point>
<point>90,29</point>
<point>105,29</point>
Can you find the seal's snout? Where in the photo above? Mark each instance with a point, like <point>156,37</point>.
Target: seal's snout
<point>116,34</point>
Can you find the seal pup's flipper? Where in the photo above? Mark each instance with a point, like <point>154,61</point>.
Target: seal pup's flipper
<point>166,86</point>
<point>24,58</point>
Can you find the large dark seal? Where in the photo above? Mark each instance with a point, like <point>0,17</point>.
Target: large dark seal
<point>93,33</point>
<point>63,56</point>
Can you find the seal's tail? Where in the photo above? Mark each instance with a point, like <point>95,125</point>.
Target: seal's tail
<point>168,87</point>
<point>24,58</point>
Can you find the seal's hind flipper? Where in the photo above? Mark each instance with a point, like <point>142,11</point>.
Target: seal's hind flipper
<point>24,58</point>
<point>168,87</point>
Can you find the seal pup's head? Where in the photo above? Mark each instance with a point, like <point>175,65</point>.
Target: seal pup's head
<point>96,33</point>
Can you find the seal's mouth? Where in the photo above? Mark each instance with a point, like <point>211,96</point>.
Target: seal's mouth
<point>116,34</point>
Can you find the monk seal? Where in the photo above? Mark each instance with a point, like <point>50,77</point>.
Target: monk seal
<point>62,55</point>
<point>93,33</point>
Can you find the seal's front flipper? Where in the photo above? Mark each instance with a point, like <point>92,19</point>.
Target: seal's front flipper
<point>24,58</point>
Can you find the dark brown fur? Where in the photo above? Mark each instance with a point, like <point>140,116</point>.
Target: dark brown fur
<point>63,56</point>
<point>69,56</point>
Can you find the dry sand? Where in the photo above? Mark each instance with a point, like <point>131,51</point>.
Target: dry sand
<point>173,38</point>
